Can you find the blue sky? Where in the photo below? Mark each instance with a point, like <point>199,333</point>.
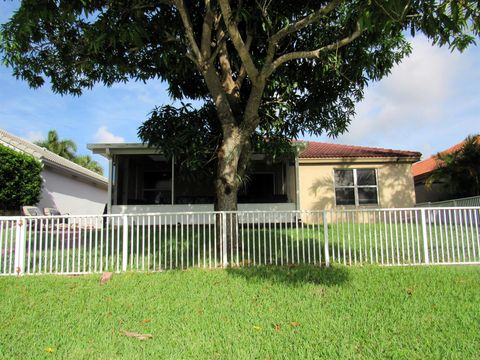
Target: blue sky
<point>429,102</point>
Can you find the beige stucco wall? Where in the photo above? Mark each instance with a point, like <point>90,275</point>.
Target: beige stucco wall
<point>395,184</point>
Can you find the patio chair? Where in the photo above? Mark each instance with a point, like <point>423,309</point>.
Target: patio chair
<point>55,212</point>
<point>31,211</point>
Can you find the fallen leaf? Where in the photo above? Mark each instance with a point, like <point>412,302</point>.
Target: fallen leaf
<point>137,335</point>
<point>106,277</point>
<point>295,323</point>
<point>145,321</point>
<point>50,350</point>
<point>277,327</point>
<point>258,328</point>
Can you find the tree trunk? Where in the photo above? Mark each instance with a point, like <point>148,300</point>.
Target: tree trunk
<point>226,190</point>
<point>227,181</point>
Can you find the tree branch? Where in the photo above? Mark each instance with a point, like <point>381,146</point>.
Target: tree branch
<point>399,17</point>
<point>300,24</point>
<point>307,20</point>
<point>219,97</point>
<point>251,118</point>
<point>243,72</point>
<point>312,54</point>
<point>237,40</point>
<point>207,30</point>
<point>187,24</point>
<point>220,42</point>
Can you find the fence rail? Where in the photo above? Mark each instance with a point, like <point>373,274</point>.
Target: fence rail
<point>468,201</point>
<point>158,242</point>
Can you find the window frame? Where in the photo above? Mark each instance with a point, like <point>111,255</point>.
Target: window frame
<point>355,186</point>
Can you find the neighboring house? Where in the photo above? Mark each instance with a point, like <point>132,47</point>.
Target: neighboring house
<point>68,187</point>
<point>422,170</point>
<point>322,176</point>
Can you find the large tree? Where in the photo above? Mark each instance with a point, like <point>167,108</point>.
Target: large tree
<point>265,70</point>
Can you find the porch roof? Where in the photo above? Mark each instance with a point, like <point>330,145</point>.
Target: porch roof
<point>108,149</point>
<point>105,149</point>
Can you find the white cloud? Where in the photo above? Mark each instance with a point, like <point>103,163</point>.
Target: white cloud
<point>413,106</point>
<point>34,136</point>
<point>104,136</point>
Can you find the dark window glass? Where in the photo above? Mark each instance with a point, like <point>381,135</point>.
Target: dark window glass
<point>156,180</point>
<point>366,177</point>
<point>367,195</point>
<point>343,177</point>
<point>260,185</point>
<point>345,196</point>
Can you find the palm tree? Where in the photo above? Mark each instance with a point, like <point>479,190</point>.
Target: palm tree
<point>459,170</point>
<point>87,162</point>
<point>65,148</point>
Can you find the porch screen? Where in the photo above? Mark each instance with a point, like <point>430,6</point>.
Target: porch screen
<point>356,187</point>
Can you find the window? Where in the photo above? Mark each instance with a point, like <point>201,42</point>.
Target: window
<point>356,187</point>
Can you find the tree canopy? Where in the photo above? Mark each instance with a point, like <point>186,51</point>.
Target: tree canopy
<point>459,171</point>
<point>88,163</point>
<point>265,70</point>
<point>67,148</point>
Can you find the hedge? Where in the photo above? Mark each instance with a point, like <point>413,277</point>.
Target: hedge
<point>20,180</point>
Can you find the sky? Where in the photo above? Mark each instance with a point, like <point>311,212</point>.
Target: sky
<point>429,102</point>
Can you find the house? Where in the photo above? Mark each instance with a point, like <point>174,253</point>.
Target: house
<point>321,176</point>
<point>423,169</point>
<point>68,187</point>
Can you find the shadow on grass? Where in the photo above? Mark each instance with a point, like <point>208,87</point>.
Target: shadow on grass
<point>293,275</point>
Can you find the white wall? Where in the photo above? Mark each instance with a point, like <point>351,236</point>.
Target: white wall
<point>71,195</point>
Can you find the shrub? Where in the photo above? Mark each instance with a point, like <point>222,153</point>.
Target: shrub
<point>20,180</point>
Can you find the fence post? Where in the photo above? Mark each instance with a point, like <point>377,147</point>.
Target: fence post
<point>19,264</point>
<point>223,224</point>
<point>425,236</point>
<point>325,238</point>
<point>125,243</point>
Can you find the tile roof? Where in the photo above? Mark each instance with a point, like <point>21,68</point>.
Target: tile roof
<point>320,150</point>
<point>426,166</point>
<point>45,155</point>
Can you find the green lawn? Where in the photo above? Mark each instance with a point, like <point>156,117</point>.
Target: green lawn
<point>246,313</point>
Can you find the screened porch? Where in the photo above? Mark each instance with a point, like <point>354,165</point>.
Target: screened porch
<point>152,183</point>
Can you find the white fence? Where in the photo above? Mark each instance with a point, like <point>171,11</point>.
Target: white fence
<point>158,242</point>
<point>468,201</point>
